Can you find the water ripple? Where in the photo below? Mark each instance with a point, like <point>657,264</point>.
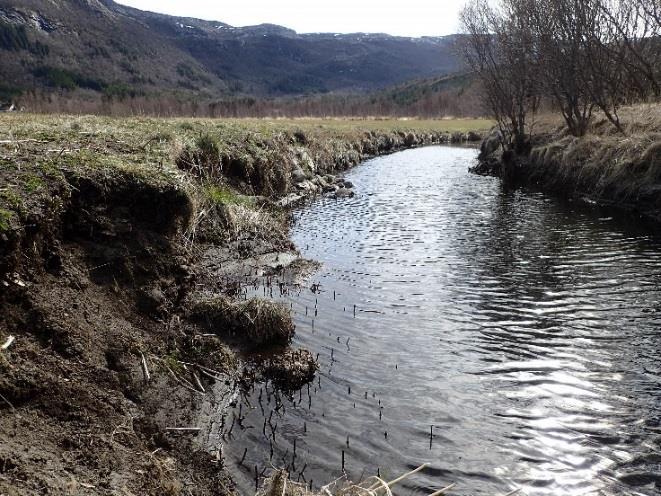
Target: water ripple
<point>522,331</point>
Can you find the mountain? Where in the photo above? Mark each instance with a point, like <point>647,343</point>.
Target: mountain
<point>101,47</point>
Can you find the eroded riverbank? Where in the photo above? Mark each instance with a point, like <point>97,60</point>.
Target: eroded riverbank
<point>606,166</point>
<point>123,248</point>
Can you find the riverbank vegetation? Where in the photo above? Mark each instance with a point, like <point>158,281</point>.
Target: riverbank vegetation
<point>124,248</point>
<point>573,57</point>
<point>597,65</point>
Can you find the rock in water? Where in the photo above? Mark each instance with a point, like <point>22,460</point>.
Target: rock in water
<point>344,193</point>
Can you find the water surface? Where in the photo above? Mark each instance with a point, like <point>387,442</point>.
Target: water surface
<point>522,331</point>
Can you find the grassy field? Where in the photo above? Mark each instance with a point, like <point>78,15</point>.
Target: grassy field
<point>36,149</point>
<point>137,139</point>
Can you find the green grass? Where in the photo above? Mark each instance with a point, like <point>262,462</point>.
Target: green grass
<point>221,195</point>
<point>5,219</point>
<point>34,183</point>
<point>11,198</point>
<point>172,360</point>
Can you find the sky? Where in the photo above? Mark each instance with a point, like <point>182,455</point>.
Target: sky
<point>402,18</point>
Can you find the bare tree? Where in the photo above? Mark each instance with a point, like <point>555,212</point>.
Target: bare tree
<point>582,54</point>
<point>606,84</point>
<point>637,27</point>
<point>500,49</point>
<point>562,28</point>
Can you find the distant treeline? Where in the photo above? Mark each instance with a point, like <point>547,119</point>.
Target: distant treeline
<point>72,93</point>
<point>580,55</point>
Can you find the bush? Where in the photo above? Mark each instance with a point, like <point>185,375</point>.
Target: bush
<point>9,93</point>
<point>59,78</point>
<point>121,91</point>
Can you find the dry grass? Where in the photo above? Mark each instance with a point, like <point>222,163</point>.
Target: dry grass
<point>279,484</point>
<point>255,322</point>
<point>605,165</point>
<point>220,164</point>
<point>639,118</point>
<point>150,141</point>
<point>290,370</point>
<point>246,221</point>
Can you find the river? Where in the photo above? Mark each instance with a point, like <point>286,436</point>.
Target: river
<point>507,338</point>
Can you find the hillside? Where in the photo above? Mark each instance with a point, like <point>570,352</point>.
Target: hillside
<point>100,47</point>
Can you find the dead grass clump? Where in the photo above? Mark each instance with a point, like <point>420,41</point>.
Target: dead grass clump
<point>255,322</point>
<point>290,370</point>
<point>253,165</point>
<point>641,118</point>
<point>652,157</point>
<point>279,484</point>
<point>203,159</point>
<point>603,166</point>
<point>243,220</point>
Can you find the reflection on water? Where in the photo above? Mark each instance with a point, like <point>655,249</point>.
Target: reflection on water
<point>522,333</point>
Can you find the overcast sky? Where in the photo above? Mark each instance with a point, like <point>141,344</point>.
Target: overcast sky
<point>404,18</point>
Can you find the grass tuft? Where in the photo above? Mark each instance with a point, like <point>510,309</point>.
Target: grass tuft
<point>208,149</point>
<point>255,322</point>
<point>5,219</point>
<point>222,195</point>
<point>34,183</point>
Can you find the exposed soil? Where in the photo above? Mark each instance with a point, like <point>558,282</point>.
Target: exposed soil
<point>128,345</point>
<point>91,288</point>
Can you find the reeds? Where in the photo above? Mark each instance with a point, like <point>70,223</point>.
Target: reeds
<point>278,484</point>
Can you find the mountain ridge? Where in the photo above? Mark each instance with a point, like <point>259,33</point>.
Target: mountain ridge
<point>100,46</point>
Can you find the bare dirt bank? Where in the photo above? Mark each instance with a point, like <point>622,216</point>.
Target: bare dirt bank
<point>123,249</point>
